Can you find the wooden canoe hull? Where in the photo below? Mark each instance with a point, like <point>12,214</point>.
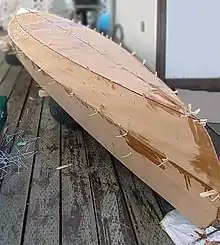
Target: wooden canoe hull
<point>177,184</point>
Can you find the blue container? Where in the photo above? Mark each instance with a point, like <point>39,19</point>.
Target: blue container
<point>104,23</point>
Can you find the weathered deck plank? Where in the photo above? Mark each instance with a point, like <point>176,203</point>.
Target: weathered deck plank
<point>142,208</point>
<point>14,189</point>
<point>113,222</point>
<point>4,68</point>
<point>17,100</point>
<point>9,81</point>
<point>78,219</point>
<point>43,209</point>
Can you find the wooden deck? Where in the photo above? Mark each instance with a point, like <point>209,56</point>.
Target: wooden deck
<point>95,201</point>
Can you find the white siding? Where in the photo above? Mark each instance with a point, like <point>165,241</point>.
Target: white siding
<point>130,14</point>
<point>193,39</point>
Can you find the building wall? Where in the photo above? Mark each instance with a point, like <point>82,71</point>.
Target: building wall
<point>132,15</point>
<point>193,39</point>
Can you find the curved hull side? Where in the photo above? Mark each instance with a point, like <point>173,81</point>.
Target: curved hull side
<point>179,181</point>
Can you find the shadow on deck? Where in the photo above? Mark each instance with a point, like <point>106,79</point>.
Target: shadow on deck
<point>95,201</point>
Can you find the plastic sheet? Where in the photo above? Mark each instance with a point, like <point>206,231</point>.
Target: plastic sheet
<point>183,232</point>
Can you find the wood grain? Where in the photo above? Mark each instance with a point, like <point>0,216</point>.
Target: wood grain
<point>113,221</point>
<point>125,103</point>
<point>16,90</point>
<point>42,224</point>
<point>185,189</point>
<point>9,81</point>
<point>17,99</point>
<point>14,189</point>
<point>4,68</point>
<point>78,219</point>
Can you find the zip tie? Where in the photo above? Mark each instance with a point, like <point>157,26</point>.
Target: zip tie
<point>94,29</point>
<point>192,112</point>
<point>11,53</point>
<point>154,89</point>
<point>176,92</point>
<point>133,53</point>
<point>156,73</point>
<point>122,135</point>
<point>64,166</point>
<point>42,93</point>
<point>126,155</point>
<point>164,160</point>
<point>215,198</point>
<point>144,61</point>
<point>93,114</point>
<point>19,53</point>
<point>102,33</point>
<point>203,121</point>
<point>38,70</point>
<point>110,38</point>
<point>208,193</point>
<point>106,36</point>
<point>190,108</point>
<point>196,112</point>
<point>120,44</point>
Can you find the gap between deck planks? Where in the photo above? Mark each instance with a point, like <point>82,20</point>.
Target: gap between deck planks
<point>113,221</point>
<point>42,220</point>
<point>78,220</point>
<point>4,68</point>
<point>14,188</point>
<point>7,85</point>
<point>143,208</point>
<point>95,201</point>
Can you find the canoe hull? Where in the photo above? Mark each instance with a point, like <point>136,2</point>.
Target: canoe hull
<point>170,180</point>
<point>181,191</point>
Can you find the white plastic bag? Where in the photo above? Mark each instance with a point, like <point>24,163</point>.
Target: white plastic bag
<point>182,231</point>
